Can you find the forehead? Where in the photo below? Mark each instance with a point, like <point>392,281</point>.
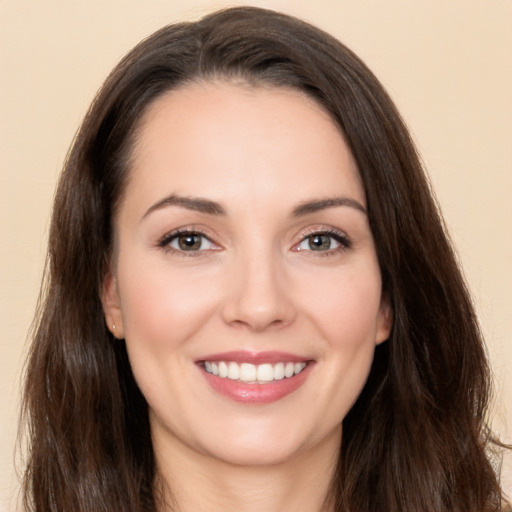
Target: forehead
<point>220,139</point>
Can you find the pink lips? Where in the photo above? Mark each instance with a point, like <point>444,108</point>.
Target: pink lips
<point>256,393</point>
<point>240,356</point>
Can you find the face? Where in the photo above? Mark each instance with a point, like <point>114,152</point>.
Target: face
<point>245,279</point>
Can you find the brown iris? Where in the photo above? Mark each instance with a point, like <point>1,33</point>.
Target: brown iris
<point>319,242</point>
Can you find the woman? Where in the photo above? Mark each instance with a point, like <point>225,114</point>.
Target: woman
<point>251,301</point>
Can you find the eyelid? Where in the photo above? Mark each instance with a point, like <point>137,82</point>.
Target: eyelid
<point>343,240</point>
<point>338,235</point>
<point>165,241</point>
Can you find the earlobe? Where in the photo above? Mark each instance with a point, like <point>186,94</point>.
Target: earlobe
<point>384,322</point>
<point>112,306</point>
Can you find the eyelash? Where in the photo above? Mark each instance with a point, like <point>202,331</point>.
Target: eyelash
<point>338,236</point>
<point>167,239</point>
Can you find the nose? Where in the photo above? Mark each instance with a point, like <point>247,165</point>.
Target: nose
<point>259,296</point>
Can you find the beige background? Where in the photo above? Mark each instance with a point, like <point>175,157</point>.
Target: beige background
<point>447,64</point>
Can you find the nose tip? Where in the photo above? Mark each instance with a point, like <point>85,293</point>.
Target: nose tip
<point>257,319</point>
<point>258,300</point>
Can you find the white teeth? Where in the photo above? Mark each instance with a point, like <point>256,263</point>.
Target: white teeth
<point>297,369</point>
<point>279,371</point>
<point>265,373</point>
<point>233,371</point>
<point>223,369</point>
<point>247,372</point>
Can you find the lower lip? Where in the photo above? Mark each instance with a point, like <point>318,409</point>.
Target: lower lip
<point>257,393</point>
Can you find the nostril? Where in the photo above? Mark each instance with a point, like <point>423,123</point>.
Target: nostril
<point>258,322</point>
<point>258,300</point>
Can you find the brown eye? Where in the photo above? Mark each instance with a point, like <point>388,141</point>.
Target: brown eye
<point>324,241</point>
<point>189,242</point>
<point>319,242</point>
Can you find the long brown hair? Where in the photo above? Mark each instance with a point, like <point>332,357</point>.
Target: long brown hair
<point>416,439</point>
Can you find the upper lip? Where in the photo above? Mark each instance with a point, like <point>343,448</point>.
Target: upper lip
<point>242,356</point>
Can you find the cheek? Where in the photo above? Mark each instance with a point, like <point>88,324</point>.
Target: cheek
<point>347,314</point>
<point>346,306</point>
<point>162,308</point>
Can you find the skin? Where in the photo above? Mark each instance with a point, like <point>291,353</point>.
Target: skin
<point>255,284</point>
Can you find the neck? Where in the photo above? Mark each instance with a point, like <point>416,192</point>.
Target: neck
<point>189,481</point>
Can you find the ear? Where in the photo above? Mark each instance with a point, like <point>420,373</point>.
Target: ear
<point>112,305</point>
<point>384,321</point>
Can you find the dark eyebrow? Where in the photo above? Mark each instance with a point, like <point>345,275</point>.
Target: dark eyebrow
<point>196,204</point>
<point>321,204</point>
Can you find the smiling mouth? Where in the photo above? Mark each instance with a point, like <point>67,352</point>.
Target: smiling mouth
<point>253,373</point>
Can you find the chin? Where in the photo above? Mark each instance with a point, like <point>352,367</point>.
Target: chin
<point>264,454</point>
<point>269,446</point>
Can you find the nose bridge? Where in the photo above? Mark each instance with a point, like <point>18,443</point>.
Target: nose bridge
<point>258,295</point>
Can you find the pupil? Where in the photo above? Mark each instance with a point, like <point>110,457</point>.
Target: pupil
<point>188,242</point>
<point>319,242</point>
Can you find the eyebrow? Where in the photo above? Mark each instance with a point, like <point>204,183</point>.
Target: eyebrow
<point>196,204</point>
<point>209,207</point>
<point>309,207</point>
